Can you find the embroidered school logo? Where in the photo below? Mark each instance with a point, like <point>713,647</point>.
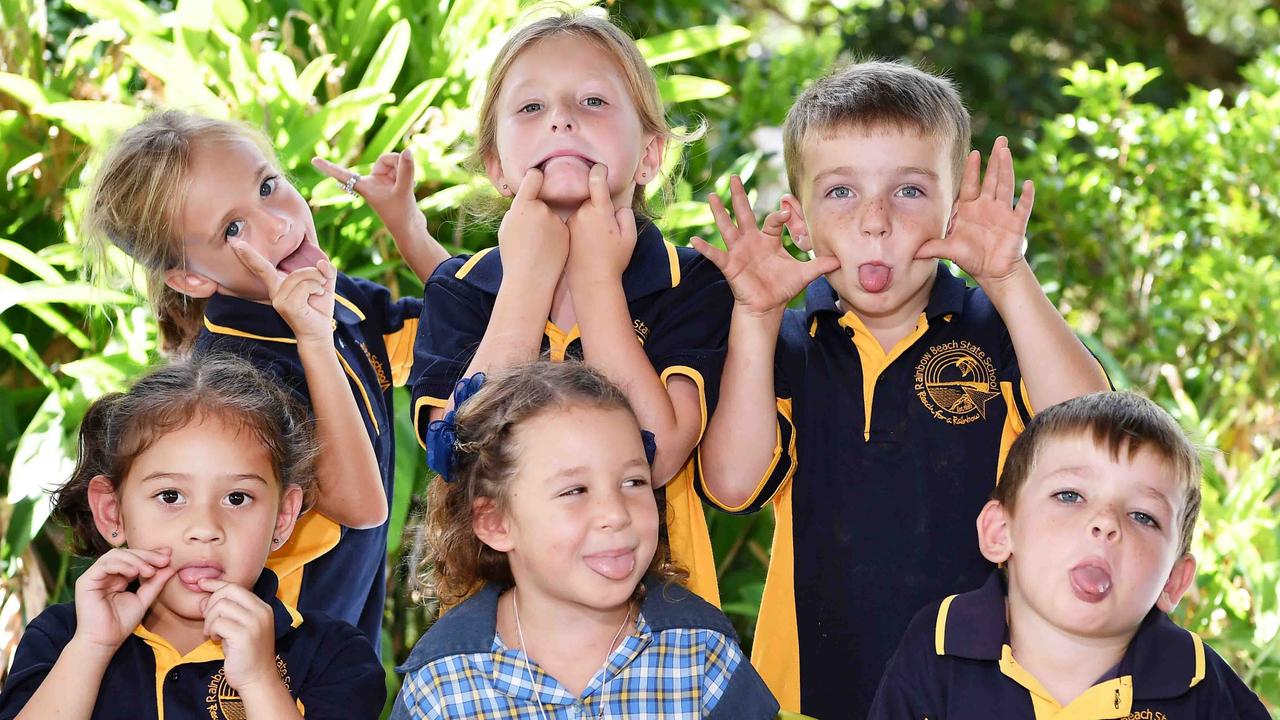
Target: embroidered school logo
<point>642,330</point>
<point>1147,714</point>
<point>955,381</point>
<point>383,382</point>
<point>222,702</point>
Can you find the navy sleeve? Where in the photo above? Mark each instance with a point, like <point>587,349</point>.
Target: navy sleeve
<point>286,371</point>
<point>349,681</point>
<point>397,322</point>
<point>454,318</point>
<point>1231,697</point>
<point>910,688</point>
<point>41,644</point>
<point>691,332</point>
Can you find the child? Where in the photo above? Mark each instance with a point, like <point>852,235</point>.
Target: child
<point>1092,521</point>
<point>182,486</point>
<point>230,251</point>
<point>572,126</point>
<point>548,521</point>
<point>875,419</point>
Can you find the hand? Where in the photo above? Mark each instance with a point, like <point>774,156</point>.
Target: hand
<point>304,297</point>
<point>601,239</point>
<point>534,241</point>
<point>388,188</point>
<point>761,273</point>
<point>106,611</point>
<point>986,235</point>
<point>245,626</point>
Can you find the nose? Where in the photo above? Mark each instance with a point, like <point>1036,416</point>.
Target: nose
<point>611,511</point>
<point>277,224</point>
<point>1105,526</point>
<point>561,118</point>
<point>202,525</point>
<point>874,221</point>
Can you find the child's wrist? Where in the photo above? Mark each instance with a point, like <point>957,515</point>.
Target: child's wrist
<point>1019,279</point>
<point>89,652</point>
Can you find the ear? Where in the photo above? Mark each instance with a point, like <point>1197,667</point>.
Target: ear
<point>1180,579</point>
<point>491,525</point>
<point>105,507</point>
<point>189,283</point>
<point>287,515</point>
<point>650,161</point>
<point>795,223</point>
<point>493,169</point>
<point>994,539</point>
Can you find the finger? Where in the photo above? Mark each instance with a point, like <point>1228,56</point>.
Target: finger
<point>1004,177</point>
<point>159,557</point>
<point>718,257</point>
<point>108,569</point>
<point>989,177</point>
<point>333,170</point>
<point>329,273</point>
<point>741,205</point>
<point>936,248</point>
<point>971,181</point>
<point>150,589</point>
<point>404,172</point>
<point>819,266</point>
<point>774,223</point>
<point>1026,201</point>
<point>724,222</point>
<point>530,186</point>
<point>258,265</point>
<point>598,186</point>
<point>126,558</point>
<point>626,225</point>
<point>301,275</point>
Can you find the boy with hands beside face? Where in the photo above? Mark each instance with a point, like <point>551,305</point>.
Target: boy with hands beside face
<point>875,419</point>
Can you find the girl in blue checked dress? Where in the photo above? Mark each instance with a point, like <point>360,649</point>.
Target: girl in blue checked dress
<point>544,545</point>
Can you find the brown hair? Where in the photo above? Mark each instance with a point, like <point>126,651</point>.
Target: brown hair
<point>872,96</point>
<point>1124,423</point>
<point>639,79</point>
<point>120,426</point>
<point>136,197</point>
<point>456,563</point>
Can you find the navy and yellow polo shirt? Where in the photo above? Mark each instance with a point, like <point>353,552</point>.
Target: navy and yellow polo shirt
<point>955,663</point>
<point>679,305</point>
<point>327,665</point>
<point>325,567</point>
<point>883,460</point>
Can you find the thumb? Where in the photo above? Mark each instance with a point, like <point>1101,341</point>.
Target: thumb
<point>530,186</point>
<point>934,249</point>
<point>149,589</point>
<point>330,274</point>
<point>404,171</point>
<point>626,224</point>
<point>819,266</point>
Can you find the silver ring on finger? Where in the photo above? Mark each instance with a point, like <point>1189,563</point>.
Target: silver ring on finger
<point>350,184</point>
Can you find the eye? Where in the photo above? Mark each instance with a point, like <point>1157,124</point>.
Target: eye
<point>1068,497</point>
<point>1144,519</point>
<point>268,186</point>
<point>840,192</point>
<point>237,498</point>
<point>575,490</point>
<point>234,229</point>
<point>594,102</point>
<point>635,482</point>
<point>169,497</point>
<point>911,191</point>
<point>532,107</point>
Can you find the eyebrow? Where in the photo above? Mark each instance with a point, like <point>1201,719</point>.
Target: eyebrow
<point>258,174</point>
<point>901,170</point>
<point>233,477</point>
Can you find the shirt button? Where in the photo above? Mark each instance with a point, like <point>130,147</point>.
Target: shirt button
<point>173,675</point>
<point>848,331</point>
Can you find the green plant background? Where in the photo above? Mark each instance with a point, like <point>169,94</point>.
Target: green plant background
<point>1150,127</point>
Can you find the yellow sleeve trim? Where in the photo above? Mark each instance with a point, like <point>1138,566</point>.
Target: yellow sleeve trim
<point>1199,648</point>
<point>1026,398</point>
<point>466,267</point>
<point>399,346</point>
<point>784,407</point>
<point>940,629</point>
<point>1015,417</point>
<point>417,411</point>
<point>224,330</point>
<point>696,377</point>
<point>350,306</point>
<point>364,394</point>
<point>673,260</point>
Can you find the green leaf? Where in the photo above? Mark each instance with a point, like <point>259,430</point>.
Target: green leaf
<point>133,15</point>
<point>690,42</point>
<point>312,74</point>
<point>684,88</point>
<point>29,260</point>
<point>183,76</point>
<point>26,91</point>
<point>401,118</point>
<point>93,121</point>
<point>69,293</point>
<point>17,345</point>
<point>42,456</point>
<point>387,61</point>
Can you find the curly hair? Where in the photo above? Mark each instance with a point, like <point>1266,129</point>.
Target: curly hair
<point>455,562</point>
<point>120,426</point>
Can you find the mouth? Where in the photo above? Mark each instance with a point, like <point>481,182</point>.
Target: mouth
<point>193,572</point>
<point>564,156</point>
<point>875,277</point>
<point>613,564</point>
<point>1091,580</point>
<point>306,254</point>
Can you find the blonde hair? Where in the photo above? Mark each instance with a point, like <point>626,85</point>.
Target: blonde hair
<point>875,95</point>
<point>135,199</point>
<point>455,562</point>
<point>639,79</point>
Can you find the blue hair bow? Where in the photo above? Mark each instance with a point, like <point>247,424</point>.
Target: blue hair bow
<point>442,435</point>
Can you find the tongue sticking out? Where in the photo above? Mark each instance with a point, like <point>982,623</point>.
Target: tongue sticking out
<point>193,575</point>
<point>614,567</point>
<point>307,255</point>
<point>874,277</point>
<point>1090,582</point>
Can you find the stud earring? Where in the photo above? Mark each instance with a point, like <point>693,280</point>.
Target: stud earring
<point>115,534</point>
<point>275,541</point>
<point>505,187</point>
